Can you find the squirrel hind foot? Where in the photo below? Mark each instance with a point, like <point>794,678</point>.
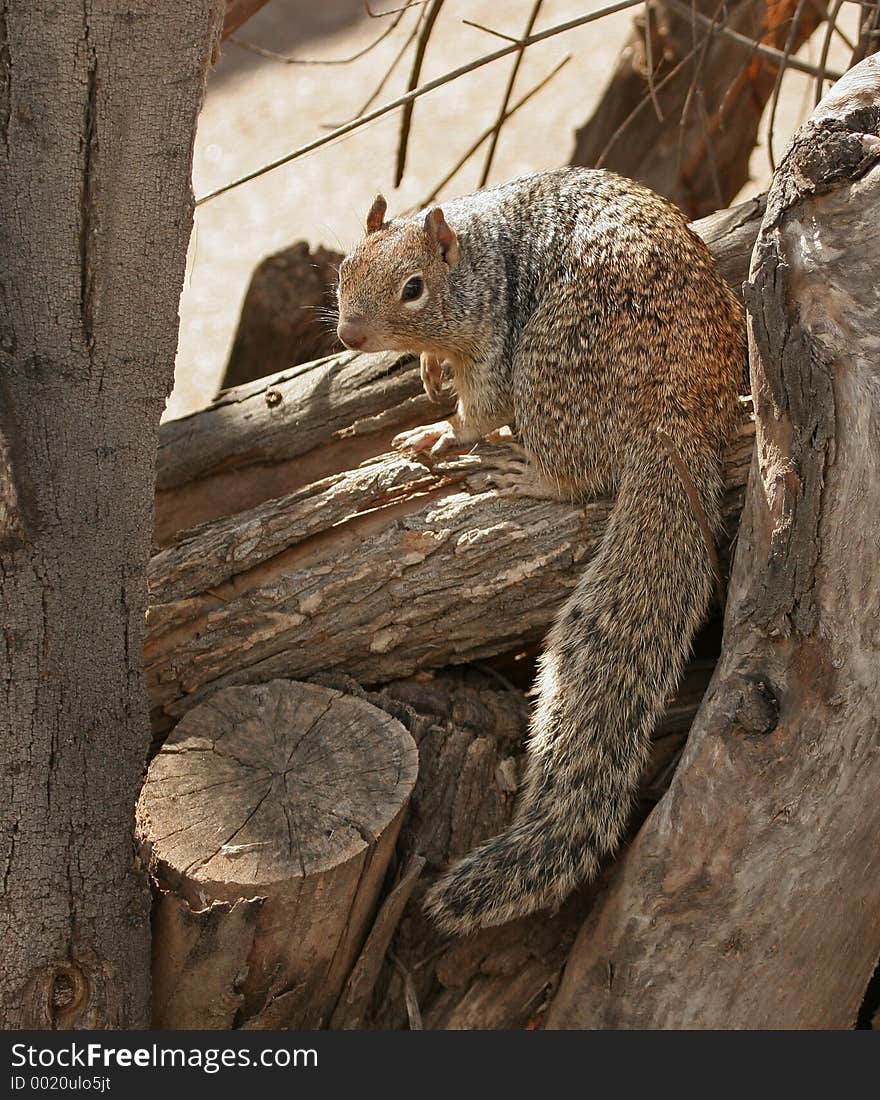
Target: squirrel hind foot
<point>513,476</point>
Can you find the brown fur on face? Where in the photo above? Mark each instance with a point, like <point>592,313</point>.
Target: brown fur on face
<point>372,277</point>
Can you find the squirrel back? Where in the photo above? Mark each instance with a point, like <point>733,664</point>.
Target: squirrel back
<point>580,307</point>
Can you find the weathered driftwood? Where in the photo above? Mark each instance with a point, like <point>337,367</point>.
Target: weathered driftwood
<point>751,897</point>
<point>268,820</point>
<point>273,436</point>
<point>377,572</point>
<point>689,131</point>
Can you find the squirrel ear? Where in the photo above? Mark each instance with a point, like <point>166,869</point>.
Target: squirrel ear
<point>443,235</point>
<point>376,215</point>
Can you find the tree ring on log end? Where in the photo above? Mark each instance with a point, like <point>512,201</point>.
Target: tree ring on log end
<point>265,783</point>
<point>269,820</point>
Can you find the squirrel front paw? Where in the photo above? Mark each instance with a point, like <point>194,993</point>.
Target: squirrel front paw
<point>433,376</point>
<point>434,439</point>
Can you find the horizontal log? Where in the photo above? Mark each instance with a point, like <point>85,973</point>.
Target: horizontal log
<point>378,572</point>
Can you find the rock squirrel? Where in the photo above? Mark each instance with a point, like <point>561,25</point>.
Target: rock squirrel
<point>578,307</point>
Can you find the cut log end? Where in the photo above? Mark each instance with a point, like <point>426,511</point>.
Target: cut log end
<point>286,792</point>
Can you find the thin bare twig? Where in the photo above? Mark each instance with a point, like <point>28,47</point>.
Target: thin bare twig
<point>410,996</point>
<point>649,62</point>
<point>462,161</point>
<point>489,30</point>
<point>508,92</point>
<point>743,40</point>
<point>780,73</point>
<point>392,11</point>
<point>430,86</point>
<point>355,997</point>
<point>406,118</point>
<point>705,45</point>
<point>640,106</point>
<point>273,56</point>
<point>822,75</point>
<point>398,57</point>
<point>844,37</point>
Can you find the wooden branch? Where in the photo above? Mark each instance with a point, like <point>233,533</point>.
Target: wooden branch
<point>766,849</point>
<point>268,820</point>
<point>379,572</point>
<point>354,1002</point>
<point>711,95</point>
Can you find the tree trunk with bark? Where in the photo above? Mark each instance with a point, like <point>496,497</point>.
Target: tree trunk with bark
<point>751,897</point>
<point>96,154</point>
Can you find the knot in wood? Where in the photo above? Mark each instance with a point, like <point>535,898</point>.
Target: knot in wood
<point>756,708</point>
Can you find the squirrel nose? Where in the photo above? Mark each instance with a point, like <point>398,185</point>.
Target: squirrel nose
<point>352,331</point>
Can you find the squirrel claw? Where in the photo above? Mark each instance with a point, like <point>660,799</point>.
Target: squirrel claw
<point>433,376</point>
<point>433,439</point>
<point>515,477</point>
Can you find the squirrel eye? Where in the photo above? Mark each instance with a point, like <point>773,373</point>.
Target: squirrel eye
<point>412,289</point>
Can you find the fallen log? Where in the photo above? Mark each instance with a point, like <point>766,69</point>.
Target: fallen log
<point>377,572</point>
<point>751,897</point>
<point>268,820</point>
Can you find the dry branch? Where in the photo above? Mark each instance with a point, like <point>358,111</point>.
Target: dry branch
<point>711,97</point>
<point>378,571</point>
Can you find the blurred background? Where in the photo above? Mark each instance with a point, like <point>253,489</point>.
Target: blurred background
<point>259,107</point>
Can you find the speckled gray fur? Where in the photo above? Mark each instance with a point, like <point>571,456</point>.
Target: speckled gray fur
<point>582,309</point>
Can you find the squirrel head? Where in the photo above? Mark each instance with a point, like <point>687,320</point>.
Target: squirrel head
<point>392,287</point>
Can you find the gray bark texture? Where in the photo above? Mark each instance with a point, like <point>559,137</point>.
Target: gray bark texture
<point>751,896</point>
<point>377,572</point>
<point>98,105</point>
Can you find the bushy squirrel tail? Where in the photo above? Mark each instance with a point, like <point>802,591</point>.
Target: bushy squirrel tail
<point>613,658</point>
